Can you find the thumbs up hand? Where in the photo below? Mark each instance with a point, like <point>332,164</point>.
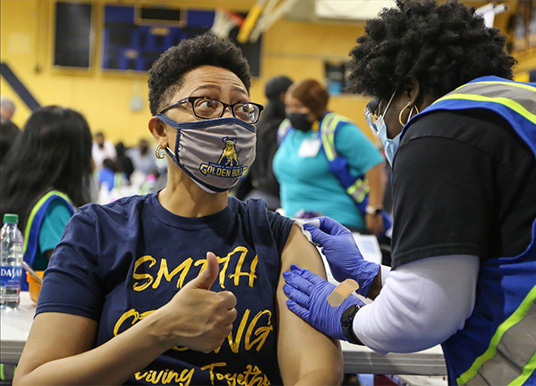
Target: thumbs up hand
<point>196,317</point>
<point>206,278</point>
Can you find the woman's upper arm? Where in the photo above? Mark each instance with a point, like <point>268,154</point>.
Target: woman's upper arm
<point>305,355</point>
<point>357,148</point>
<point>53,336</point>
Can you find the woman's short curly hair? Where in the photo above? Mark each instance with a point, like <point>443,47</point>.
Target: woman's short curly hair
<point>166,74</point>
<point>442,46</point>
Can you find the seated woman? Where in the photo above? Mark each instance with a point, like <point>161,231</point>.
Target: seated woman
<point>45,176</point>
<point>131,294</point>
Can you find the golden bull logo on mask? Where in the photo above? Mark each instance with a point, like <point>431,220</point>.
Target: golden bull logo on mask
<point>228,164</point>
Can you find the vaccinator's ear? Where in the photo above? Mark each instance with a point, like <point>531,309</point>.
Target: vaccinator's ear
<point>416,95</point>
<point>412,90</point>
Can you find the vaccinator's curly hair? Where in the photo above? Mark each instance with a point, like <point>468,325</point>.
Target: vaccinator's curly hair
<point>442,46</point>
<point>166,74</point>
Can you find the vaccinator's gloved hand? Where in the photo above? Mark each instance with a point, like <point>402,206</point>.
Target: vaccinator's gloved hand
<point>308,294</point>
<point>342,254</point>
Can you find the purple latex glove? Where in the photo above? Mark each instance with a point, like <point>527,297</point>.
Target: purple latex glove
<point>308,294</point>
<point>342,254</point>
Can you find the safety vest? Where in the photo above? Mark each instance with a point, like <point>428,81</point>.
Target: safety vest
<point>497,345</point>
<point>356,187</point>
<point>33,226</point>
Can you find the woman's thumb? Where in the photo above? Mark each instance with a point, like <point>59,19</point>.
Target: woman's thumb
<point>206,278</point>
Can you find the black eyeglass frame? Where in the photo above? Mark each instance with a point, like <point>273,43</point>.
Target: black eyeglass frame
<point>192,99</point>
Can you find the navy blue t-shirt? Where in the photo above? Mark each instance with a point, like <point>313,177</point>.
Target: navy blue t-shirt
<point>118,262</point>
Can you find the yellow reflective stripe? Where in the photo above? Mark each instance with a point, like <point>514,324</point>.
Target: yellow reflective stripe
<point>328,143</point>
<point>503,101</point>
<point>34,212</point>
<point>331,135</point>
<point>362,187</point>
<point>327,147</point>
<point>520,85</point>
<point>354,187</point>
<point>331,140</point>
<point>329,124</point>
<point>527,372</point>
<point>492,349</point>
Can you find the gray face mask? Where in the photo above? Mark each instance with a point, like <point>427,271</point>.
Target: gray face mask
<point>215,153</point>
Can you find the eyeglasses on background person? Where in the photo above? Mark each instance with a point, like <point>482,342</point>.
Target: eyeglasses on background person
<point>209,108</point>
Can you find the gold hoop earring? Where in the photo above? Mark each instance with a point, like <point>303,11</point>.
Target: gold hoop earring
<point>409,116</point>
<point>158,154</point>
<point>400,115</point>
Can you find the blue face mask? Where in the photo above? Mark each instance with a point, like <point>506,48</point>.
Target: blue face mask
<point>380,128</point>
<point>389,145</point>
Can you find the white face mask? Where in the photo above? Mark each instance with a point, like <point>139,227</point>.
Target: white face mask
<point>215,153</point>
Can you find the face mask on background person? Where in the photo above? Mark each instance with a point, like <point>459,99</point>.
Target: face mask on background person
<point>215,153</point>
<point>300,121</point>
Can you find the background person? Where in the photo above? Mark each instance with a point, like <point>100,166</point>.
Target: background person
<point>132,280</point>
<point>102,149</point>
<point>262,177</point>
<point>123,160</point>
<point>111,176</point>
<point>7,109</point>
<point>45,176</point>
<point>143,158</point>
<point>464,177</point>
<point>305,173</point>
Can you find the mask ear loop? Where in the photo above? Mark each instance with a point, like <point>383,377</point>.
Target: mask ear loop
<point>409,116</point>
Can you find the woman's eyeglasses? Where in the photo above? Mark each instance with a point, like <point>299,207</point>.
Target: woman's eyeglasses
<point>208,108</point>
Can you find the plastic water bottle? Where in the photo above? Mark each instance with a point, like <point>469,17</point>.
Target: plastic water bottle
<point>11,260</point>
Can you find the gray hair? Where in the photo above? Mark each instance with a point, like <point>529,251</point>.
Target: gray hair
<point>7,103</point>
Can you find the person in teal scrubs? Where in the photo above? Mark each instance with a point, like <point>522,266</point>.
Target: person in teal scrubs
<point>57,215</point>
<point>304,172</point>
<point>46,175</point>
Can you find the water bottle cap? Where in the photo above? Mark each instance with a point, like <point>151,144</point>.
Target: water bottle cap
<point>11,218</point>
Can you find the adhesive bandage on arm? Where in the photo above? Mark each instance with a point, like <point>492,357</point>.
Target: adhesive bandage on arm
<point>341,292</point>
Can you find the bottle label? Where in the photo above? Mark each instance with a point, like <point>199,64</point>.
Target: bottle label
<point>10,276</point>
